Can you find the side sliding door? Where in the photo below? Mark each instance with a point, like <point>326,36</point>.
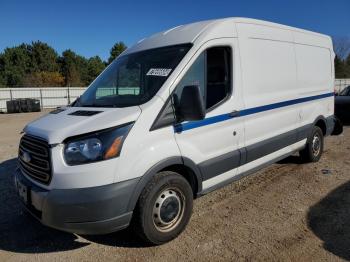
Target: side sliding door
<point>270,92</point>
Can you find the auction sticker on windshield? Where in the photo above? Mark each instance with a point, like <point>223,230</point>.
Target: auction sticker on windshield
<point>158,72</point>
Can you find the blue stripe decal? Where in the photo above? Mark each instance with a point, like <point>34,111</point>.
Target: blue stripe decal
<point>219,118</point>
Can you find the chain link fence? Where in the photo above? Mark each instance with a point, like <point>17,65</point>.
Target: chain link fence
<point>340,84</point>
<point>49,97</point>
<point>52,97</point>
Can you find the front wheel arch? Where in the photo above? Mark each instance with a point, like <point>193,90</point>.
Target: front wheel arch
<point>157,222</point>
<point>169,164</point>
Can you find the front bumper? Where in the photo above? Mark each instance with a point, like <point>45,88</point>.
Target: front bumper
<point>93,210</point>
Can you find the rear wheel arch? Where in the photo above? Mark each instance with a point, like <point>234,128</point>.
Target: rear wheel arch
<point>321,122</point>
<point>313,149</point>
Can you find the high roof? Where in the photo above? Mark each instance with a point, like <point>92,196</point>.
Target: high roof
<point>208,29</point>
<point>177,35</point>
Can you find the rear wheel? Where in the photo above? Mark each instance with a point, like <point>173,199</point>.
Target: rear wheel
<point>314,146</point>
<point>164,208</point>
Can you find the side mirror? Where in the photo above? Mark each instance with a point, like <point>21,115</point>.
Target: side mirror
<point>191,104</point>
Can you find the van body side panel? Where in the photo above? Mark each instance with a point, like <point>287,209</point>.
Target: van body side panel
<point>251,167</point>
<point>269,77</point>
<point>143,149</point>
<point>315,75</point>
<point>283,96</point>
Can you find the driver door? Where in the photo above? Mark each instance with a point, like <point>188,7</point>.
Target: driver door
<point>212,143</point>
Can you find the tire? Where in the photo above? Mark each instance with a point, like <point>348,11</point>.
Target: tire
<point>163,209</point>
<point>314,146</point>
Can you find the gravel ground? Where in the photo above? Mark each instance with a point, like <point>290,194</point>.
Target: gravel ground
<point>289,211</point>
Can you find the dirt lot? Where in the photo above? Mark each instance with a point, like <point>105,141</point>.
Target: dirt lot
<point>289,211</point>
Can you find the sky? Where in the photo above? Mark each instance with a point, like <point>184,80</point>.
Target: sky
<point>92,27</point>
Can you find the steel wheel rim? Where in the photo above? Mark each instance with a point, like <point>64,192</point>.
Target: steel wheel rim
<point>316,145</point>
<point>168,209</point>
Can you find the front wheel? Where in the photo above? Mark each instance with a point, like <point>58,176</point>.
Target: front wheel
<point>314,146</point>
<point>164,208</point>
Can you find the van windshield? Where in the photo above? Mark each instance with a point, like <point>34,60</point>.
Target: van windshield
<point>133,79</point>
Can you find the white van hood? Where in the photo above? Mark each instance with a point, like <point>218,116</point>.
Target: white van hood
<point>56,127</point>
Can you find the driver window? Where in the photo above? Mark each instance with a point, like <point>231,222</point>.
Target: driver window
<point>211,72</point>
<point>194,76</point>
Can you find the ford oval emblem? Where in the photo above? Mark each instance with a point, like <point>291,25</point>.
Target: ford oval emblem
<point>26,157</point>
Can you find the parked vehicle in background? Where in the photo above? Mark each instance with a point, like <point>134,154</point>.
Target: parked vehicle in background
<point>342,105</point>
<point>192,109</point>
<point>23,105</point>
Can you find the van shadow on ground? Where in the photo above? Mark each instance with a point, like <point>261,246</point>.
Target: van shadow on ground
<point>20,232</point>
<point>329,219</point>
<point>346,122</point>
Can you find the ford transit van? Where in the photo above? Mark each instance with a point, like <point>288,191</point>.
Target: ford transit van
<point>175,116</point>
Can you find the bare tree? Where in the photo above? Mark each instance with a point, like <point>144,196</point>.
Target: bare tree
<point>341,46</point>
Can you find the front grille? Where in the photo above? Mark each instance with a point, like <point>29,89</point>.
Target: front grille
<point>34,158</point>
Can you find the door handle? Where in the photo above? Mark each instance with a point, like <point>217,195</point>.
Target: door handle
<point>234,113</point>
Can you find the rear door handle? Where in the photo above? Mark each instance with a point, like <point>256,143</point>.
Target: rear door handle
<point>234,113</point>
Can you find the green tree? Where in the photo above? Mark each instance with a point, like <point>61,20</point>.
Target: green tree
<point>116,50</point>
<point>15,63</point>
<point>38,64</point>
<point>2,81</point>
<point>339,67</point>
<point>44,79</point>
<point>43,57</point>
<point>73,68</point>
<point>347,66</point>
<point>94,67</point>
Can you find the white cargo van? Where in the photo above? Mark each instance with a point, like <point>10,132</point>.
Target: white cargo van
<point>177,115</point>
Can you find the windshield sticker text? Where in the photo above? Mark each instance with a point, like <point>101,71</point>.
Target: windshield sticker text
<point>158,72</point>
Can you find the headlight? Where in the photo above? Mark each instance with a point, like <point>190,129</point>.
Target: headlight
<point>96,146</point>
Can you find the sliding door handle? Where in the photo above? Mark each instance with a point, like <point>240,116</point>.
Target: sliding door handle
<point>234,113</point>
